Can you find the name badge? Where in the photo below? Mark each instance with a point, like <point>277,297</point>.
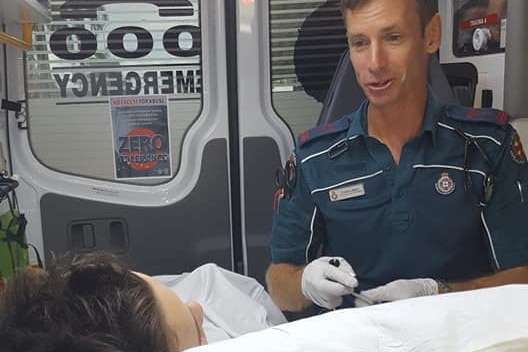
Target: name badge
<point>347,192</point>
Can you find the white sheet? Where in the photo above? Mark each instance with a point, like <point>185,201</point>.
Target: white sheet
<point>461,322</point>
<point>233,304</point>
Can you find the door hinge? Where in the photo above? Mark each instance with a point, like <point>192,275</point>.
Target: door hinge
<point>19,108</point>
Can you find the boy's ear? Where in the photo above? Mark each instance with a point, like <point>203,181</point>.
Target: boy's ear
<point>433,34</point>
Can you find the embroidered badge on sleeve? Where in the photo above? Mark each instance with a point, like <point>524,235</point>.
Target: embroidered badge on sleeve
<point>516,150</point>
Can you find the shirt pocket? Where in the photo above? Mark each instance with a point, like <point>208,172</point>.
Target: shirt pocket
<point>354,196</point>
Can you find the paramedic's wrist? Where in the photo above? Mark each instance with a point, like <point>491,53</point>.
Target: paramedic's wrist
<point>444,286</point>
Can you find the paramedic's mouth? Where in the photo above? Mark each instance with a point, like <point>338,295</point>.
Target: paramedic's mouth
<point>379,85</point>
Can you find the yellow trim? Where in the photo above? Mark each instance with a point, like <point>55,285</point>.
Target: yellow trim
<point>25,43</point>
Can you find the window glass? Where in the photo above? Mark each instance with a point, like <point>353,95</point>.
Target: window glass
<point>113,85</point>
<point>479,27</point>
<point>307,40</point>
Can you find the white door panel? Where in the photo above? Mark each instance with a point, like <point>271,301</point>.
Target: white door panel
<point>38,180</point>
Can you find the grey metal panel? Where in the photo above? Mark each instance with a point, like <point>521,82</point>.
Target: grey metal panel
<point>516,64</point>
<point>155,240</point>
<point>261,161</point>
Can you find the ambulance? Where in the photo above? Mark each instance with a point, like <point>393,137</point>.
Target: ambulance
<point>154,129</point>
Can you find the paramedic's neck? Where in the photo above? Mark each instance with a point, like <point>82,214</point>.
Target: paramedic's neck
<point>396,124</point>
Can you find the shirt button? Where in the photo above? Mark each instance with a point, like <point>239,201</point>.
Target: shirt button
<point>401,194</point>
<point>388,168</point>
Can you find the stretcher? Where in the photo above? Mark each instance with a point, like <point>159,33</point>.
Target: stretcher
<point>493,319</point>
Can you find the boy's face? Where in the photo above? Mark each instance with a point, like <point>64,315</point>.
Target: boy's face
<point>184,320</point>
<point>389,50</point>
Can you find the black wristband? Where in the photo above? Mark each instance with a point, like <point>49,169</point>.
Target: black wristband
<point>443,286</point>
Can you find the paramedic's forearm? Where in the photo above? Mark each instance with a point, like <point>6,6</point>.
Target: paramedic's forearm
<point>284,286</point>
<point>517,275</point>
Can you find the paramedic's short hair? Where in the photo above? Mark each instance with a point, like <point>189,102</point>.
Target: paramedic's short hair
<point>82,303</point>
<point>426,8</point>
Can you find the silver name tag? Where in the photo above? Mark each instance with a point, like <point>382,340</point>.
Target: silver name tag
<point>347,192</point>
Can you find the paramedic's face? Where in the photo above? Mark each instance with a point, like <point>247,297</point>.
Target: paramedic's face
<point>183,319</point>
<point>389,49</point>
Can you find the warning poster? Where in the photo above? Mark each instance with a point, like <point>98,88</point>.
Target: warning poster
<point>140,134</point>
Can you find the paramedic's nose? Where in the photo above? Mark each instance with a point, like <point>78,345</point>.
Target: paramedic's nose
<point>197,312</point>
<point>378,58</point>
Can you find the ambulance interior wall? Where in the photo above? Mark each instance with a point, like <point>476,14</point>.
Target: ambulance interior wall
<point>4,151</point>
<point>516,71</point>
<point>516,67</point>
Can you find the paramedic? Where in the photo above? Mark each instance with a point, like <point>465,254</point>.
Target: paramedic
<point>92,302</point>
<point>411,197</point>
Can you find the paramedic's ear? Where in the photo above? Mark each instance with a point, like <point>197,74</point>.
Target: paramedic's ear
<point>433,34</point>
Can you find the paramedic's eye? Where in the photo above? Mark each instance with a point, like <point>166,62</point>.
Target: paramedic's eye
<point>393,37</point>
<point>357,44</point>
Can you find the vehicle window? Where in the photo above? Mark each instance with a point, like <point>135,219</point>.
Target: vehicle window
<point>307,40</point>
<point>113,85</point>
<point>479,27</point>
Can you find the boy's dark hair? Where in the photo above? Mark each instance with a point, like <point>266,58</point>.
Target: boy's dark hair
<point>82,303</point>
<point>426,8</point>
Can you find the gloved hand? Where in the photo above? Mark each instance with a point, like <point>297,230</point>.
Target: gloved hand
<point>324,283</point>
<point>399,289</point>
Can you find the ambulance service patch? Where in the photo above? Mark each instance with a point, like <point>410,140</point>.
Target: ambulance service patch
<point>445,184</point>
<point>516,150</point>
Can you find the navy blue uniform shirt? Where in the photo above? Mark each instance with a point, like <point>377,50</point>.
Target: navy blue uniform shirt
<point>429,216</point>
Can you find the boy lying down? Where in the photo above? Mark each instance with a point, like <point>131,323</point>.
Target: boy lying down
<point>91,302</point>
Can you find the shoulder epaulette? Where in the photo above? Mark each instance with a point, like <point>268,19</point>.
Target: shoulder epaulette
<point>463,113</point>
<point>324,130</point>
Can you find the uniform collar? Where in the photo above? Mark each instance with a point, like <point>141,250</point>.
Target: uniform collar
<point>433,109</point>
<point>358,119</point>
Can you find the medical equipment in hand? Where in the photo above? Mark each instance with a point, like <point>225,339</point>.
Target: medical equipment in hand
<point>335,262</point>
<point>324,283</point>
